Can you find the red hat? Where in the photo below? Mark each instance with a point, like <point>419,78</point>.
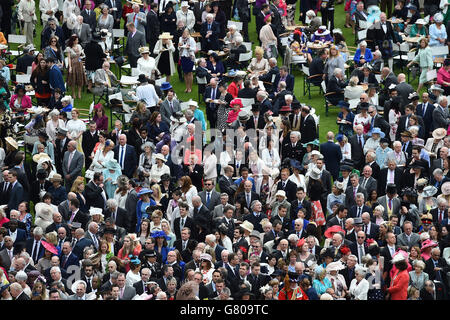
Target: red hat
<point>428,243</point>
<point>236,101</point>
<point>300,242</point>
<point>345,250</point>
<point>98,106</point>
<point>49,247</point>
<point>333,229</point>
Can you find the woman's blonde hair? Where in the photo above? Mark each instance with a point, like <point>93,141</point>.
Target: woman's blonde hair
<point>353,81</point>
<point>259,51</point>
<point>76,183</point>
<point>338,53</point>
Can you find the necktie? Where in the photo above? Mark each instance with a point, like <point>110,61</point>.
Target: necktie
<point>114,215</point>
<point>208,198</point>
<point>424,109</point>
<point>359,212</point>
<point>10,253</point>
<point>237,164</point>
<point>364,183</point>
<point>171,106</point>
<point>122,152</point>
<point>365,229</point>
<point>108,80</point>
<point>440,216</point>
<point>404,147</point>
<point>361,253</point>
<point>295,121</point>
<point>65,261</point>
<point>6,186</point>
<point>360,142</point>
<point>70,160</point>
<point>256,122</point>
<point>182,223</point>
<point>94,239</point>
<point>201,5</point>
<point>184,245</point>
<point>60,243</point>
<point>390,204</point>
<point>392,251</point>
<point>34,254</point>
<point>121,293</point>
<point>209,27</point>
<point>248,200</point>
<point>438,273</point>
<point>283,184</point>
<point>71,217</point>
<point>213,94</point>
<point>354,192</point>
<point>89,284</point>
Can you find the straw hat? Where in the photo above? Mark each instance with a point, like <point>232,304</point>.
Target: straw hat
<point>165,36</point>
<point>13,143</point>
<point>439,133</point>
<point>41,157</point>
<point>246,225</point>
<point>281,193</point>
<point>160,157</point>
<point>56,177</point>
<point>429,191</point>
<point>143,50</point>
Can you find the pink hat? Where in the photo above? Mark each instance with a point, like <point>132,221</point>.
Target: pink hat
<point>236,101</point>
<point>267,17</point>
<point>428,243</point>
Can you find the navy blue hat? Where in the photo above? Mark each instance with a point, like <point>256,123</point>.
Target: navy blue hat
<point>166,86</point>
<point>296,164</point>
<point>343,104</point>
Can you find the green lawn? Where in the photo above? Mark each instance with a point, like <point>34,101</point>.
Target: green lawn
<point>327,123</point>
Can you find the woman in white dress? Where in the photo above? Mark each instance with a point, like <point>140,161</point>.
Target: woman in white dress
<point>159,169</point>
<point>146,64</point>
<point>296,177</point>
<point>210,165</point>
<point>75,128</point>
<point>346,148</point>
<point>53,124</point>
<point>359,286</point>
<point>188,190</point>
<point>101,157</point>
<point>256,165</point>
<point>270,156</point>
<point>225,158</point>
<point>70,7</point>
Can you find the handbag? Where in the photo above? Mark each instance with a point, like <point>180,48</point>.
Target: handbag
<point>319,217</point>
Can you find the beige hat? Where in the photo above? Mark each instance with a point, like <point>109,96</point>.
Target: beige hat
<point>165,36</point>
<point>160,157</point>
<point>41,157</point>
<point>56,177</point>
<point>247,226</point>
<point>93,211</point>
<point>315,153</point>
<point>281,193</point>
<point>144,50</point>
<point>13,143</point>
<point>439,133</point>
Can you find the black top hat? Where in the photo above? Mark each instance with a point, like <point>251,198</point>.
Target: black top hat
<point>295,105</point>
<point>255,106</point>
<point>293,277</point>
<point>364,105</point>
<point>149,253</point>
<point>165,177</point>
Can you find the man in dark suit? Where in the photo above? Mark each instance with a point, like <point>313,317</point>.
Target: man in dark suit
<point>61,143</point>
<point>440,114</point>
<point>115,9</point>
<point>17,191</point>
<point>257,279</point>
<point>226,184</point>
<point>391,172</point>
<point>185,245</point>
<point>367,181</point>
<point>425,110</point>
<point>370,161</point>
<point>82,242</point>
<point>255,216</point>
<point>141,286</point>
<point>118,214</point>
<point>332,155</point>
<point>36,187</point>
<point>436,267</point>
<point>72,164</point>
<point>360,247</point>
<point>336,86</point>
<point>256,120</point>
<point>89,16</point>
<point>283,76</point>
<point>152,28</point>
<point>7,253</point>
<point>316,68</point>
<point>19,236</point>
<point>357,142</point>
<point>136,39</point>
<point>202,219</point>
<point>184,221</point>
<point>5,188</point>
<point>210,34</point>
<point>339,218</point>
<point>352,190</point>
<point>387,252</point>
<point>403,122</point>
<point>349,271</point>
<point>248,196</point>
<point>34,246</point>
<point>370,229</point>
<point>67,257</point>
<point>125,154</point>
<point>359,207</point>
<point>75,215</point>
<point>198,11</point>
<point>210,197</point>
<point>211,93</point>
<point>379,122</point>
<point>299,203</point>
<point>94,193</point>
<point>287,185</point>
<point>272,74</point>
<point>440,213</point>
<point>90,138</point>
<point>308,128</point>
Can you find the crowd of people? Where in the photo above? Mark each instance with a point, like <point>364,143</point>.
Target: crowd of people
<point>146,209</point>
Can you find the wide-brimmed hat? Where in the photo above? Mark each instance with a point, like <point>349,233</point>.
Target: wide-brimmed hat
<point>243,115</point>
<point>4,287</point>
<point>144,191</point>
<point>438,17</point>
<point>236,101</point>
<point>93,211</point>
<point>421,21</point>
<point>13,143</point>
<point>165,86</point>
<point>246,225</point>
<point>427,244</point>
<point>429,191</point>
<point>439,133</point>
<point>75,285</point>
<point>275,173</point>
<point>377,130</point>
<point>166,36</point>
<point>41,157</point>
<point>159,156</point>
<point>192,103</point>
<point>436,87</point>
<point>206,256</point>
<point>398,258</point>
<point>406,134</point>
<point>43,209</point>
<point>315,142</point>
<point>295,164</point>
<point>421,182</point>
<point>142,78</point>
<point>49,247</point>
<point>446,188</point>
<point>56,177</point>
<point>391,188</point>
<point>339,185</point>
<point>345,167</point>
<point>105,33</point>
<point>315,153</point>
<point>418,142</point>
<point>112,165</point>
<point>281,193</point>
<point>315,174</point>
<point>144,50</point>
<point>333,229</point>
<point>343,104</point>
<point>334,266</point>
<point>322,31</point>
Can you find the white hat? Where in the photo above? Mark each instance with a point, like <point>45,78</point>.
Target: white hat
<point>193,103</point>
<point>398,257</point>
<point>315,174</point>
<point>160,157</point>
<point>93,211</point>
<point>315,153</point>
<point>184,4</point>
<point>144,50</point>
<point>281,193</point>
<point>420,21</point>
<point>247,226</point>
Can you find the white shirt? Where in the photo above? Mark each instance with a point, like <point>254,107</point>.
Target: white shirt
<point>148,94</point>
<point>390,176</point>
<point>13,235</point>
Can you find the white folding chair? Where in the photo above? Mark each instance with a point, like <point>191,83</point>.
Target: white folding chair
<point>201,80</point>
<point>248,45</point>
<point>244,57</point>
<point>431,75</point>
<point>362,35</point>
<point>364,24</point>
<point>29,70</point>
<point>440,50</point>
<point>247,102</point>
<point>19,39</point>
<point>284,41</point>
<point>378,77</point>
<point>236,23</point>
<point>23,78</point>
<point>118,33</point>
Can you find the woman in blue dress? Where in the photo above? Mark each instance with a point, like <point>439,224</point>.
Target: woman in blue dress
<point>141,207</point>
<point>111,172</point>
<point>345,119</point>
<point>161,244</point>
<point>321,283</point>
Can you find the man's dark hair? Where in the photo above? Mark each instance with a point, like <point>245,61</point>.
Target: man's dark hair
<point>75,202</point>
